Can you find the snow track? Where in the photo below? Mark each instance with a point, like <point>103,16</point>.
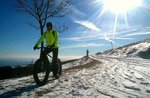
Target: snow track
<point>131,74</point>
<point>96,77</point>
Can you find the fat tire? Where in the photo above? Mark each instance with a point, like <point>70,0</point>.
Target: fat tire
<point>57,69</point>
<point>35,73</point>
<point>60,67</point>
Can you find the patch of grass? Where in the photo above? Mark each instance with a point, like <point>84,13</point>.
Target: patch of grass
<point>46,90</point>
<point>88,65</point>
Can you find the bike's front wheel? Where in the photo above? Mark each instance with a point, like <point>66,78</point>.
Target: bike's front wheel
<point>40,72</point>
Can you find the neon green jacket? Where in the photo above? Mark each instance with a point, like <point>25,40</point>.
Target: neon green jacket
<point>51,38</point>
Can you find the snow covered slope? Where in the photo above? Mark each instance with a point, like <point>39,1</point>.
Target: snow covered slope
<point>95,77</point>
<point>140,49</point>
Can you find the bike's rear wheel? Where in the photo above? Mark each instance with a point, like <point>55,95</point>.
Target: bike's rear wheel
<point>60,67</point>
<point>57,69</point>
<point>40,72</point>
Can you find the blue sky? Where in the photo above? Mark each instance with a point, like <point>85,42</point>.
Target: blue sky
<point>87,29</point>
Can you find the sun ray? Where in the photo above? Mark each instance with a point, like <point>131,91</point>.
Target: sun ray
<point>119,8</point>
<point>99,17</point>
<point>115,26</point>
<point>101,13</point>
<point>91,17</point>
<point>126,21</point>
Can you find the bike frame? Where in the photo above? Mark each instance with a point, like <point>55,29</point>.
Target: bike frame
<point>47,54</point>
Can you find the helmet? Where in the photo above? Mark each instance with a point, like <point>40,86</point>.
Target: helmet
<point>49,24</point>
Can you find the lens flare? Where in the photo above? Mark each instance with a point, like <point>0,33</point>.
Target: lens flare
<point>121,6</point>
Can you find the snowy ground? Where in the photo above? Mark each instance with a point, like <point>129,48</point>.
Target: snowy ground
<point>98,77</point>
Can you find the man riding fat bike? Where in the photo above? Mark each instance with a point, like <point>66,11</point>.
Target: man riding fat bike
<point>51,37</point>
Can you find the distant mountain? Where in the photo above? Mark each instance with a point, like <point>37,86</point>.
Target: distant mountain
<point>137,49</point>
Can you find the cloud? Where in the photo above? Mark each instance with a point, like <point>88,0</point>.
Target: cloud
<point>83,45</point>
<point>88,35</point>
<point>124,38</point>
<point>134,32</point>
<point>76,12</point>
<point>88,25</point>
<point>83,38</point>
<point>137,34</point>
<point>109,37</point>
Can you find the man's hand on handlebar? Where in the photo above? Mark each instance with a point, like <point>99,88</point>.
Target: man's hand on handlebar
<point>35,47</point>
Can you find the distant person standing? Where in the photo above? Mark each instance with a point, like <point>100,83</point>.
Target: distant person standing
<point>87,53</point>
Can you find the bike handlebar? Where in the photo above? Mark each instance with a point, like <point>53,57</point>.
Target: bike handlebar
<point>43,47</point>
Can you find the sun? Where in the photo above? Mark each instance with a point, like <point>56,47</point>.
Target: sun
<point>119,18</point>
<point>121,6</point>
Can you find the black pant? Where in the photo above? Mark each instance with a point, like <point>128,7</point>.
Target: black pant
<point>55,65</point>
<point>54,52</point>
